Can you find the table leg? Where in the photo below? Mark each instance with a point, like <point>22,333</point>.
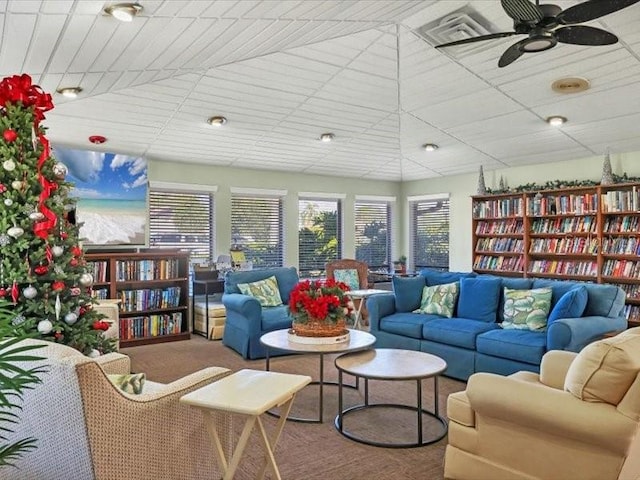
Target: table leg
<point>356,323</point>
<point>419,393</point>
<point>339,424</point>
<point>229,470</point>
<point>270,446</point>
<point>321,387</point>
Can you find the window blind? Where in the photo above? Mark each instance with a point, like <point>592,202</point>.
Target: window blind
<point>430,233</point>
<point>182,220</point>
<point>372,236</point>
<point>257,228</point>
<point>319,233</point>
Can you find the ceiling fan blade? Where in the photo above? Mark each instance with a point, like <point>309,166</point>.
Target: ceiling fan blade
<point>522,10</point>
<point>591,10</point>
<point>477,39</point>
<point>585,35</point>
<point>511,54</point>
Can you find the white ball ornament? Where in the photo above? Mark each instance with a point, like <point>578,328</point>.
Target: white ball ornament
<point>9,165</point>
<point>86,279</point>
<point>8,202</point>
<point>45,326</point>
<point>71,318</point>
<point>17,184</point>
<point>36,215</point>
<point>94,353</point>
<point>15,232</point>
<point>60,170</point>
<point>57,250</point>
<point>30,292</point>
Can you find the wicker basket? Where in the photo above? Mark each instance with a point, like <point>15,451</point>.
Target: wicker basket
<point>319,328</point>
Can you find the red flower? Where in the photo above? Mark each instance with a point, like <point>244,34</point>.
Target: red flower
<point>320,300</point>
<point>10,135</point>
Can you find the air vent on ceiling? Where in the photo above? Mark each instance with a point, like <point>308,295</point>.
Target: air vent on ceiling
<point>459,25</point>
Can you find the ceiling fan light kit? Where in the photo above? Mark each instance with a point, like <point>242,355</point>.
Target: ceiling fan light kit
<point>547,25</point>
<point>123,11</point>
<point>556,120</point>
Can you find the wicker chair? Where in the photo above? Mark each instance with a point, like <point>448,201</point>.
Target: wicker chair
<point>363,277</point>
<point>88,429</point>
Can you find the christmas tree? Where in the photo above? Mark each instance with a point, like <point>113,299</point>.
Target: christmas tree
<point>42,268</point>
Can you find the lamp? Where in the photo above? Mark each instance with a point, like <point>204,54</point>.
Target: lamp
<point>123,11</point>
<point>217,121</point>
<point>327,137</point>
<point>69,92</point>
<point>556,120</point>
<point>538,41</point>
<point>430,147</point>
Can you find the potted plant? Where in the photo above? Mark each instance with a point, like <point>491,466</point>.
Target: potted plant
<point>400,265</point>
<point>14,380</point>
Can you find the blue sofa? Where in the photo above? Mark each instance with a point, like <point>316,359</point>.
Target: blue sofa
<point>473,340</point>
<point>247,320</point>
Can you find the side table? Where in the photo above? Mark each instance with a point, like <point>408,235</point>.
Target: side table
<point>250,393</point>
<point>211,285</point>
<point>362,295</point>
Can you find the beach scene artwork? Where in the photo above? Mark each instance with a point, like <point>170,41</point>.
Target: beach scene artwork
<point>112,195</point>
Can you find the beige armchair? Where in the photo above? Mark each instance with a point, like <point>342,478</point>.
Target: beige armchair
<point>88,429</point>
<point>578,419</point>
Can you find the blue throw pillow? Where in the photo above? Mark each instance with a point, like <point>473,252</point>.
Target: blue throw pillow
<point>408,292</point>
<point>479,298</point>
<point>439,277</point>
<point>570,305</point>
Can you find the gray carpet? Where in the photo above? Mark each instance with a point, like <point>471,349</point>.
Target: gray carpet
<point>318,451</point>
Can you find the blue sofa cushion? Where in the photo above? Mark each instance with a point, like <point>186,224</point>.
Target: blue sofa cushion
<point>287,278</point>
<point>521,345</point>
<point>479,298</point>
<point>406,324</point>
<point>461,332</point>
<point>408,292</point>
<point>604,300</point>
<point>570,305</point>
<point>558,288</point>
<point>438,277</point>
<point>275,318</point>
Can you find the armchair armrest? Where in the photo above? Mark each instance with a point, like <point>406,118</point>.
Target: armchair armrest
<point>380,306</point>
<point>574,334</point>
<point>537,407</point>
<point>554,367</point>
<point>114,363</point>
<point>244,311</point>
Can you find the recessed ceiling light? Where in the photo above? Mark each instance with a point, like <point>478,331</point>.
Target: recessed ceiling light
<point>217,121</point>
<point>556,120</point>
<point>327,137</point>
<point>570,85</point>
<point>69,92</point>
<point>430,147</point>
<point>123,11</point>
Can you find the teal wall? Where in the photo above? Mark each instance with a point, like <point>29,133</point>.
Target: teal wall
<point>459,187</point>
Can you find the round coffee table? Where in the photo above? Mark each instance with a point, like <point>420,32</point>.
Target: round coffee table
<point>393,365</point>
<point>279,340</point>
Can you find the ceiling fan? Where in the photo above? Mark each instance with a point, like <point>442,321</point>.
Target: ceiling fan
<point>540,23</point>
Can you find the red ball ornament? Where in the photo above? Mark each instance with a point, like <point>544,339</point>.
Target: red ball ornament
<point>57,285</point>
<point>73,262</point>
<point>3,292</point>
<point>3,188</point>
<point>76,251</point>
<point>100,325</point>
<point>10,135</point>
<point>64,235</point>
<point>41,269</point>
<point>58,335</point>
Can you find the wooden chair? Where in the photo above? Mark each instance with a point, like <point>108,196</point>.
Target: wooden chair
<point>363,277</point>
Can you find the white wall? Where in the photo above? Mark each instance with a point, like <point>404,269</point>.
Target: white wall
<point>225,178</point>
<point>462,187</point>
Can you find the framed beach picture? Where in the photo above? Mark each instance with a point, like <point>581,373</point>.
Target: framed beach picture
<point>111,191</point>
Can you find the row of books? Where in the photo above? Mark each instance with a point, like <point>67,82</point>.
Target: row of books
<point>562,204</point>
<point>157,269</point>
<point>99,270</point>
<point>632,313</point>
<point>150,326</point>
<point>621,268</point>
<point>149,299</point>
<point>100,293</point>
<point>492,244</point>
<point>586,224</point>
<point>499,208</point>
<point>622,224</point>
<point>565,267</point>
<point>621,245</point>
<point>506,264</point>
<point>512,225</point>
<point>621,200</point>
<point>565,245</point>
<point>631,289</point>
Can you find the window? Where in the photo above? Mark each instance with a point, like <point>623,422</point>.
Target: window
<point>319,233</point>
<point>373,239</point>
<point>257,228</point>
<point>430,232</point>
<point>182,220</point>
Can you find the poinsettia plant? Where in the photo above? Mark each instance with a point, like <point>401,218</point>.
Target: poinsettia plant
<point>320,300</point>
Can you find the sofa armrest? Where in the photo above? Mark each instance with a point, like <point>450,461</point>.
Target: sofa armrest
<point>380,306</point>
<point>544,409</point>
<point>114,363</point>
<point>554,367</point>
<point>574,334</point>
<point>244,311</point>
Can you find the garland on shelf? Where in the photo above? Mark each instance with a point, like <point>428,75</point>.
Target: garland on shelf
<point>558,184</point>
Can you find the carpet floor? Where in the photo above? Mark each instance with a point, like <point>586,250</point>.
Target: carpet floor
<point>318,451</point>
